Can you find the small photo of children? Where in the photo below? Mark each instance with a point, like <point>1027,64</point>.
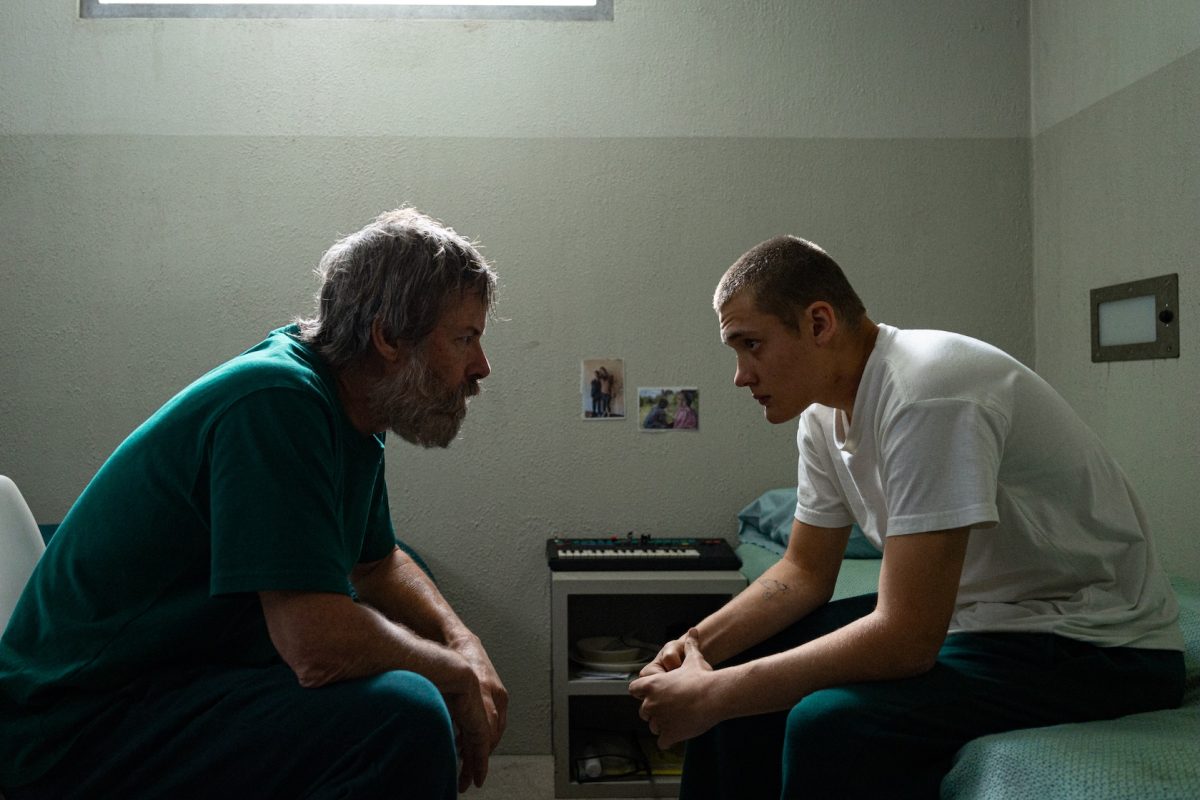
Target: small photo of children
<point>603,388</point>
<point>673,408</point>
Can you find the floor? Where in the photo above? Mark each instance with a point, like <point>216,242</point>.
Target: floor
<point>513,778</point>
<point>518,778</point>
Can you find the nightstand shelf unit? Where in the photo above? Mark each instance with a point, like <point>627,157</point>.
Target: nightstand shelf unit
<point>651,606</point>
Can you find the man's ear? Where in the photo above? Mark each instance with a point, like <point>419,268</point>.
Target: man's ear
<point>391,352</point>
<point>822,321</point>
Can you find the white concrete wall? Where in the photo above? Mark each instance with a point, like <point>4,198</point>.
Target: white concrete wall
<point>168,186</point>
<point>1116,198</point>
<point>1083,51</point>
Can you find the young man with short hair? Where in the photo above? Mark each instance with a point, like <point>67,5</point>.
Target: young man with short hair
<point>1019,585</point>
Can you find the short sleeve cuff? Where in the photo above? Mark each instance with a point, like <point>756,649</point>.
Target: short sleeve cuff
<point>291,581</point>
<point>983,515</point>
<point>823,519</point>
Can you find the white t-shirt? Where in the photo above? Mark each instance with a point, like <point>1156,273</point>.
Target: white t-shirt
<point>947,432</point>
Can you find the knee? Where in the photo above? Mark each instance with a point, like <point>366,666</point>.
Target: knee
<point>407,719</point>
<point>821,734</point>
<point>409,707</point>
<point>400,735</point>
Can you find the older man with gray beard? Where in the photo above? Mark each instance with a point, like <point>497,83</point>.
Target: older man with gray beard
<point>225,611</point>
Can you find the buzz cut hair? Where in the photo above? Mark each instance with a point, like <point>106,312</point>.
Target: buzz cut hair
<point>784,276</point>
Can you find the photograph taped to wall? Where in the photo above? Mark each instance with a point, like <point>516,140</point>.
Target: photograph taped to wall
<point>669,408</point>
<point>602,386</point>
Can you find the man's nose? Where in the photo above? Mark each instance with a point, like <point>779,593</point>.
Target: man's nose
<point>742,376</point>
<point>480,368</point>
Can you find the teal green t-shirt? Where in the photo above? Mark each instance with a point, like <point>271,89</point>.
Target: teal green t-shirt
<point>250,479</point>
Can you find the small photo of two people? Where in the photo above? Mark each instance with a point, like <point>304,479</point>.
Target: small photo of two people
<point>669,408</point>
<point>603,388</point>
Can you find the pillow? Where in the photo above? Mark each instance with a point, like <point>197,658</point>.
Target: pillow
<point>767,522</point>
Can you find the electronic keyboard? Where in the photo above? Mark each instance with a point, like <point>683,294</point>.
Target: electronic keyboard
<point>643,552</point>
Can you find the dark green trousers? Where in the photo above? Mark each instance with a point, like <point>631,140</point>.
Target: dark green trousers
<point>897,739</point>
<point>256,733</point>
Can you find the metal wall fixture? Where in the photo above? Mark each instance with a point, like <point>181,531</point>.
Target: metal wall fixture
<point>1136,320</point>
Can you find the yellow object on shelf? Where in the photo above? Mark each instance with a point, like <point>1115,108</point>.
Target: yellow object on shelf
<point>662,762</point>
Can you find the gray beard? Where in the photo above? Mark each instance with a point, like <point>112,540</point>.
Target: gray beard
<point>418,408</point>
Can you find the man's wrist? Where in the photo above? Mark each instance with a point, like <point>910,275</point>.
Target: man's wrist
<point>459,637</point>
<point>723,692</point>
<point>463,679</point>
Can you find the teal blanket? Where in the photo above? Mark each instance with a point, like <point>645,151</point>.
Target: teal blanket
<point>1153,756</point>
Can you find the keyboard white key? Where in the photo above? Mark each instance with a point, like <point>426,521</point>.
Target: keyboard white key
<point>661,552</point>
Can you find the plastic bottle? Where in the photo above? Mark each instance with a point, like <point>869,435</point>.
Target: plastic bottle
<point>591,765</point>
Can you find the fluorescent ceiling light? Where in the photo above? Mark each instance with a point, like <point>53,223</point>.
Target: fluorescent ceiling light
<point>584,3</point>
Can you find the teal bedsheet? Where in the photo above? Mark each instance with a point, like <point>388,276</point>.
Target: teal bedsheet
<point>1153,756</point>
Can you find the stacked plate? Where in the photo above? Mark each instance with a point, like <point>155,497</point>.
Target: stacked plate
<point>610,654</point>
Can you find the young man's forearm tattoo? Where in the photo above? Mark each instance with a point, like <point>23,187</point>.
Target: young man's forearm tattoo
<point>772,587</point>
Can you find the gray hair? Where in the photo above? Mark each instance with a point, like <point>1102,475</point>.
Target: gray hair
<point>786,275</point>
<point>401,269</point>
